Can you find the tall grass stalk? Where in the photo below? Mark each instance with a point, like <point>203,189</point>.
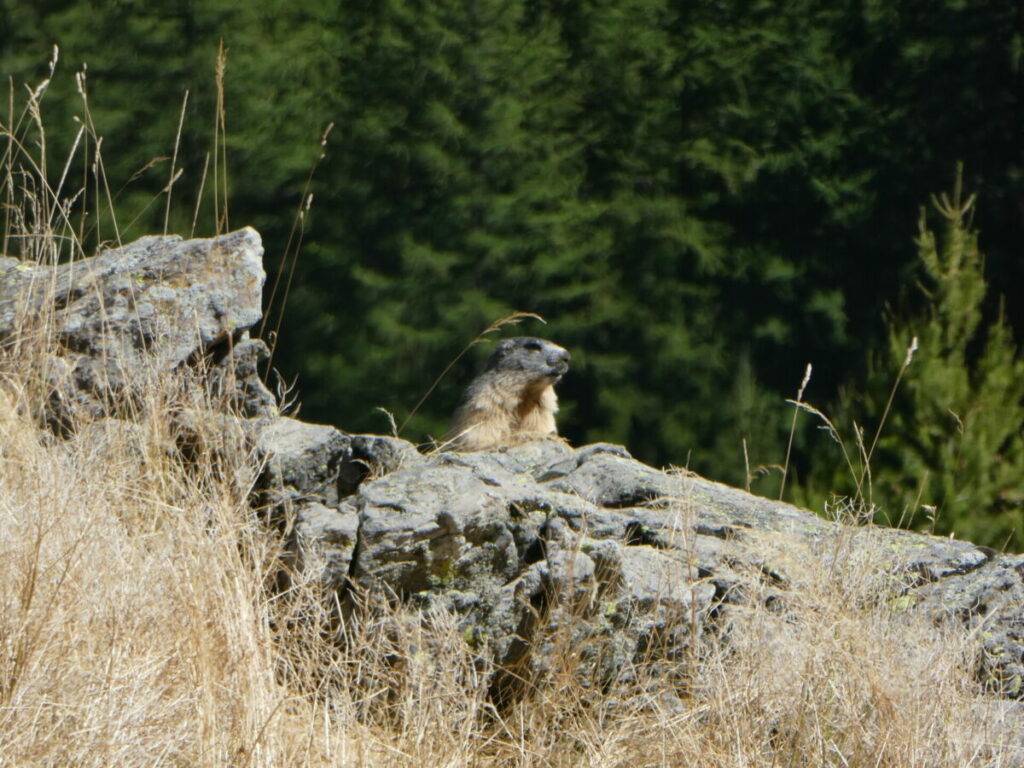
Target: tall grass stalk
<point>792,430</point>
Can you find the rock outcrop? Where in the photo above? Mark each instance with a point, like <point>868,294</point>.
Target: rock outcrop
<point>131,313</point>
<point>627,559</point>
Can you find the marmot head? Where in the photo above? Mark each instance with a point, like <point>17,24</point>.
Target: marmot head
<point>529,354</point>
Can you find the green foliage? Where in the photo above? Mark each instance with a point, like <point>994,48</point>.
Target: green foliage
<point>606,166</point>
<point>950,455</point>
<point>698,197</point>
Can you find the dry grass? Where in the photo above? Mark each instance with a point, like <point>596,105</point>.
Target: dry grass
<point>136,628</point>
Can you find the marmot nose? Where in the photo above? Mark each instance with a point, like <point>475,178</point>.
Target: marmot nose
<point>559,356</point>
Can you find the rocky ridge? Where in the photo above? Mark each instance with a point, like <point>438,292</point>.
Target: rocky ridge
<point>626,558</point>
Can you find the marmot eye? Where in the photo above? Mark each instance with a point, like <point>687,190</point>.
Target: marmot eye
<point>534,345</point>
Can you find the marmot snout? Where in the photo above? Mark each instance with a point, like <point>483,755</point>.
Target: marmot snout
<point>526,353</point>
<point>513,399</point>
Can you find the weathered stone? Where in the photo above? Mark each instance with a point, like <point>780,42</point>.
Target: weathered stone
<point>325,539</point>
<point>531,546</point>
<point>374,456</point>
<point>302,460</point>
<point>235,377</point>
<point>629,560</point>
<point>128,315</point>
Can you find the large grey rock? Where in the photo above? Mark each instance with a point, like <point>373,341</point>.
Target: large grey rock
<point>130,314</point>
<point>540,535</point>
<point>630,561</point>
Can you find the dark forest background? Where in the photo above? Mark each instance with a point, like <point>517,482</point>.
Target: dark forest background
<point>699,197</point>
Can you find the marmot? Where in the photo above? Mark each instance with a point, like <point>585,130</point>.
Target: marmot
<point>513,399</point>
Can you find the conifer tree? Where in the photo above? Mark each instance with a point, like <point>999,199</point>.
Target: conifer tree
<point>950,454</point>
<point>699,197</point>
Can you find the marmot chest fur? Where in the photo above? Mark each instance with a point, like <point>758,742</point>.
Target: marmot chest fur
<point>513,399</point>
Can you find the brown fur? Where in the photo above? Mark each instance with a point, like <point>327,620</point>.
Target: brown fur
<point>513,399</point>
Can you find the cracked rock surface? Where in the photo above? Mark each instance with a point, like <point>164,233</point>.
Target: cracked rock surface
<point>138,311</point>
<point>624,555</point>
